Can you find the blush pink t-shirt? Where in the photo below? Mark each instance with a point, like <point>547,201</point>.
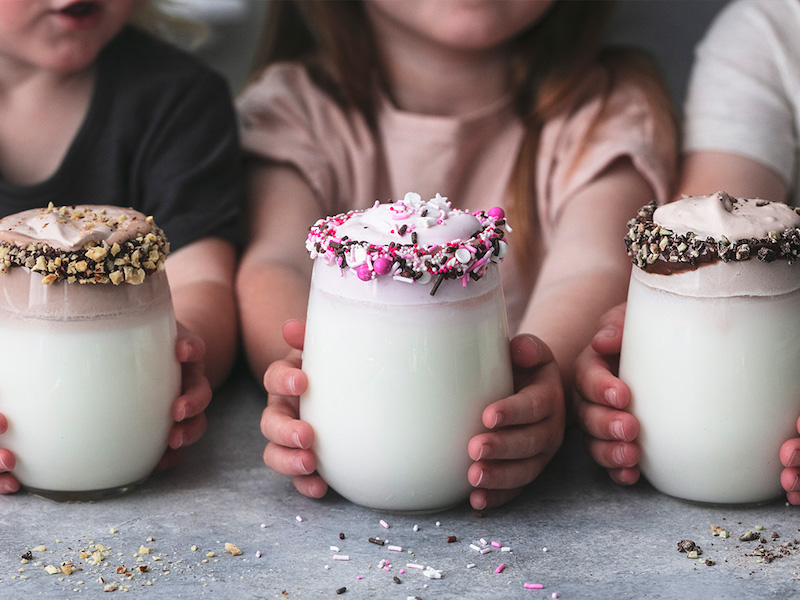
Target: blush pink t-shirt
<point>287,119</point>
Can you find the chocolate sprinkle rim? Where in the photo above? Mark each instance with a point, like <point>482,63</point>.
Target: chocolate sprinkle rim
<point>96,263</point>
<point>412,263</point>
<point>649,245</point>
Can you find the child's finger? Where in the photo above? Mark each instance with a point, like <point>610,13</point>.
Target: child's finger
<point>187,432</point>
<point>190,347</point>
<point>595,381</point>
<point>614,455</point>
<point>531,404</point>
<point>294,331</point>
<point>506,474</point>
<point>608,339</point>
<point>625,475</point>
<point>289,461</point>
<point>481,499</point>
<point>312,486</point>
<point>790,453</point>
<point>516,443</point>
<point>196,394</point>
<point>604,423</point>
<point>8,484</point>
<point>280,424</point>
<point>528,351</point>
<point>285,378</point>
<point>7,460</point>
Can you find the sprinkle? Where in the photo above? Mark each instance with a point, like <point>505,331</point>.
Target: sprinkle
<point>396,579</point>
<point>263,526</point>
<point>258,554</point>
<point>384,524</point>
<point>341,590</point>
<point>505,549</point>
<point>395,548</point>
<point>497,544</point>
<point>299,519</point>
<point>432,573</point>
<point>360,577</point>
<point>377,541</point>
<point>414,566</point>
<point>544,549</point>
<point>416,527</point>
<point>438,524</point>
<point>341,536</point>
<point>471,566</point>
<point>485,550</point>
<point>451,539</point>
<point>533,586</point>
<point>340,557</point>
<point>484,542</point>
<point>334,548</point>
<point>474,547</point>
<point>500,568</point>
<point>554,595</point>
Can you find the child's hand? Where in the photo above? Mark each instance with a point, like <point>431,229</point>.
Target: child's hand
<point>187,410</point>
<point>611,431</point>
<point>290,439</point>
<point>790,477</point>
<point>526,429</point>
<point>8,483</point>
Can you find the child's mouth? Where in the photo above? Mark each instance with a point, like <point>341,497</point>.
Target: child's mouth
<point>80,9</point>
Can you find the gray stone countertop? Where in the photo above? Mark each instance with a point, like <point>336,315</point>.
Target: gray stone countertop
<point>573,531</point>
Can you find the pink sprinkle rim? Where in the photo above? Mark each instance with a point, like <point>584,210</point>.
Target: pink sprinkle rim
<point>412,263</point>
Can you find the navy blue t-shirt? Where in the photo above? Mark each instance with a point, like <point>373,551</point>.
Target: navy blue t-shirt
<point>160,136</point>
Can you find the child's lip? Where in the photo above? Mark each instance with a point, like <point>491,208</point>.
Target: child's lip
<point>79,14</point>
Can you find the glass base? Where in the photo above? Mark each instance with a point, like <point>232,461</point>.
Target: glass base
<point>83,495</point>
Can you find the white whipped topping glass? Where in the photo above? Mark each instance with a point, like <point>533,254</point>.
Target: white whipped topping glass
<point>712,358</point>
<point>399,378</point>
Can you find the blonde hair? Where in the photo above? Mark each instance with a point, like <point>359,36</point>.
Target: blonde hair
<point>160,18</point>
<point>549,62</point>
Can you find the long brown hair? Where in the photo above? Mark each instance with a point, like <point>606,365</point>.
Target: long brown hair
<point>550,61</point>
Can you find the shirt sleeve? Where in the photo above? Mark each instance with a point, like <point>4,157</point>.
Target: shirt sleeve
<point>736,100</point>
<point>192,171</point>
<point>578,146</point>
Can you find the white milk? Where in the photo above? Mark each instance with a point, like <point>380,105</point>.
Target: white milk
<point>716,387</point>
<point>88,400</point>
<point>397,387</point>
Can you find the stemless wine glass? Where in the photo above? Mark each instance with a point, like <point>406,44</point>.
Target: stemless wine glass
<point>711,346</point>
<point>90,373</point>
<point>403,350</point>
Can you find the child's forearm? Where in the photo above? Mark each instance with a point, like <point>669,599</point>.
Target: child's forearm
<point>208,310</point>
<point>268,295</point>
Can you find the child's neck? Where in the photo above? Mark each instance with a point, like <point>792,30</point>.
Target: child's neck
<point>41,111</point>
<point>439,81</point>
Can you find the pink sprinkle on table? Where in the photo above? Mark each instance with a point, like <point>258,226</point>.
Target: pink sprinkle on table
<point>500,568</point>
<point>533,586</point>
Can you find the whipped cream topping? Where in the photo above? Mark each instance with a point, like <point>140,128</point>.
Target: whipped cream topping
<point>71,228</point>
<point>722,216</point>
<point>415,241</point>
<point>700,230</point>
<point>84,244</point>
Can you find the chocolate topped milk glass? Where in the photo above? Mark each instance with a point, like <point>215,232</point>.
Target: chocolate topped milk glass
<point>406,344</point>
<point>89,373</point>
<point>711,348</point>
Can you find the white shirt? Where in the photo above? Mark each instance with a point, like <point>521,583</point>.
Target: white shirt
<point>744,93</point>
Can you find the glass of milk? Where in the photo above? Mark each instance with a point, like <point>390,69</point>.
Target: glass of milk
<point>91,374</point>
<point>711,347</point>
<point>406,344</point>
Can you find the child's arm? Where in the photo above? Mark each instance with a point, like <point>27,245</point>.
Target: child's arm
<point>275,272</point>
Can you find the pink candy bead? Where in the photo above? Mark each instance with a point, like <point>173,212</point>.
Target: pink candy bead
<point>496,212</point>
<point>382,265</point>
<point>363,272</point>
